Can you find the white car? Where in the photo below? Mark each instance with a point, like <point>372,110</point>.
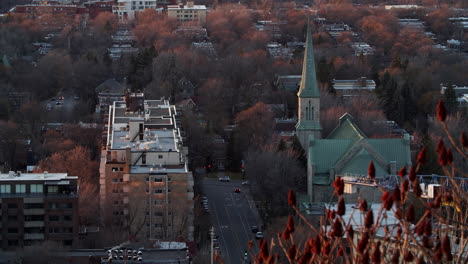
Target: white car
<point>225,179</point>
<point>245,183</point>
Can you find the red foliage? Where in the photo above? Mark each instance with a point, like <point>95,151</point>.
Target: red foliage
<point>402,171</point>
<point>291,198</point>
<point>422,156</point>
<point>371,170</point>
<point>441,111</point>
<point>290,224</point>
<point>369,219</point>
<point>341,208</point>
<point>338,184</point>
<point>363,206</point>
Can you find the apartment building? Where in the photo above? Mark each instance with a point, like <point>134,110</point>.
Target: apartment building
<point>188,12</point>
<point>126,9</point>
<point>145,186</point>
<point>38,207</point>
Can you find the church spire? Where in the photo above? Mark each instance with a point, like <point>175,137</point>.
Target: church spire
<point>308,87</point>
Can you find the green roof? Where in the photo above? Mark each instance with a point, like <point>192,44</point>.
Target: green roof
<point>347,130</point>
<point>308,87</point>
<point>348,150</point>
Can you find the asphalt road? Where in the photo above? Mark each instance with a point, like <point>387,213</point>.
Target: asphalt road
<point>233,215</point>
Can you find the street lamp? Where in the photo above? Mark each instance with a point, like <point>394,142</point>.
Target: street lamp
<point>211,247</point>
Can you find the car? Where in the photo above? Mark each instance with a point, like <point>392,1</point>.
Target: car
<point>61,98</point>
<point>225,179</point>
<point>254,229</point>
<point>76,97</point>
<point>245,183</point>
<point>52,99</point>
<point>259,235</point>
<point>237,190</point>
<point>58,103</point>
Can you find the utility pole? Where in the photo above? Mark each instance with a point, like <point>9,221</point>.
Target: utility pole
<point>211,247</point>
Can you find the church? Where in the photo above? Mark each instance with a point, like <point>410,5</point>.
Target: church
<point>346,151</point>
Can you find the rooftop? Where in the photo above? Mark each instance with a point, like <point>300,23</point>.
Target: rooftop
<point>154,140</point>
<point>18,176</point>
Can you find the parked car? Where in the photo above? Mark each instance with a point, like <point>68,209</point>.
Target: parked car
<point>237,190</point>
<point>254,229</point>
<point>224,179</point>
<point>259,235</point>
<point>61,98</point>
<point>245,183</point>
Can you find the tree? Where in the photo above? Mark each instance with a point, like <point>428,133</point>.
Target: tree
<point>78,162</point>
<point>255,126</point>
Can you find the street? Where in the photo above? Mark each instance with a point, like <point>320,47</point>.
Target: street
<point>233,215</point>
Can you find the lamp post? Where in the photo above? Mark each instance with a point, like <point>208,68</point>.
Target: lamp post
<point>211,247</point>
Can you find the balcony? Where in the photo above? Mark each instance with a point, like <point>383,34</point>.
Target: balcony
<point>33,211</point>
<point>34,224</point>
<point>34,236</point>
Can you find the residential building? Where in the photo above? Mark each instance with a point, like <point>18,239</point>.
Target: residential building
<point>188,12</point>
<point>126,10</point>
<point>108,92</point>
<point>411,24</point>
<point>350,88</point>
<point>288,82</point>
<point>38,207</point>
<point>146,188</point>
<point>461,92</point>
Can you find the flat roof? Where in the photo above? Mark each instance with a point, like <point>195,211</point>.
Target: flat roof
<point>36,177</point>
<point>153,140</point>
<point>156,169</point>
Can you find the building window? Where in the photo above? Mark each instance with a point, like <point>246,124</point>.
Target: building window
<point>67,217</point>
<point>158,191</point>
<point>37,188</point>
<point>52,189</point>
<point>160,156</point>
<point>68,242</point>
<point>12,218</point>
<point>5,188</point>
<point>168,190</point>
<point>54,218</point>
<point>115,180</point>
<point>13,230</point>
<point>33,206</point>
<point>114,169</point>
<point>157,180</point>
<point>158,214</point>
<point>20,188</point>
<point>168,179</point>
<point>12,206</point>
<point>143,158</point>
<point>13,243</point>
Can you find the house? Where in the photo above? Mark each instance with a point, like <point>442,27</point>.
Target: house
<point>38,207</point>
<point>461,92</point>
<point>108,92</point>
<point>288,82</point>
<point>347,150</point>
<point>145,185</point>
<point>350,88</point>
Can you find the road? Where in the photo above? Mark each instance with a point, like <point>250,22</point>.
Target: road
<point>233,215</point>
<point>59,113</point>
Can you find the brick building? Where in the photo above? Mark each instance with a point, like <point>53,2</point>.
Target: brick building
<point>38,207</point>
<point>145,186</point>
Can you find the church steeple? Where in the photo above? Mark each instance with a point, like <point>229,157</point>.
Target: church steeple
<point>308,97</point>
<point>308,87</point>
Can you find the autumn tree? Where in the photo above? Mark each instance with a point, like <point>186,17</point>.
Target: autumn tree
<point>78,162</point>
<point>254,126</point>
